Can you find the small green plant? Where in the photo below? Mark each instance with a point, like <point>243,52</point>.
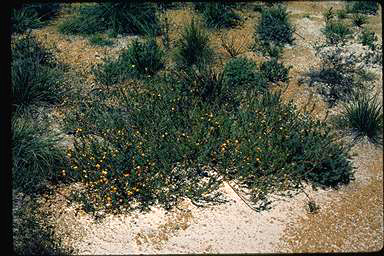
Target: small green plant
<point>36,158</point>
<point>219,15</point>
<point>328,15</point>
<point>193,47</point>
<point>36,77</point>
<point>368,38</point>
<point>359,20</point>
<point>364,116</point>
<point>274,71</point>
<point>336,32</point>
<point>274,26</point>
<point>120,17</point>
<point>341,14</point>
<point>141,59</point>
<point>365,7</point>
<point>97,39</point>
<point>312,206</point>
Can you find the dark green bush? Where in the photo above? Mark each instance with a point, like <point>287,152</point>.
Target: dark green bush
<point>97,39</point>
<point>358,20</point>
<point>30,16</point>
<point>336,32</point>
<point>36,77</point>
<point>368,38</point>
<point>365,7</point>
<point>274,71</point>
<point>139,60</point>
<point>36,158</point>
<point>120,17</point>
<point>193,47</point>
<point>274,26</point>
<point>218,15</point>
<point>243,73</point>
<point>365,117</point>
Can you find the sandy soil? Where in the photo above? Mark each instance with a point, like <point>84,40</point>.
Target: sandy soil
<point>349,219</point>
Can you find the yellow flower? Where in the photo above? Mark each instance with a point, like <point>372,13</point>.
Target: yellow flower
<point>130,193</point>
<point>97,166</point>
<point>257,159</point>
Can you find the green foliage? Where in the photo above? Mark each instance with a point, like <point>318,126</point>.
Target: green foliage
<point>358,20</point>
<point>30,16</point>
<point>274,71</point>
<point>218,15</point>
<point>243,73</point>
<point>274,26</point>
<point>97,39</point>
<point>336,32</point>
<point>193,47</point>
<point>365,117</point>
<point>36,158</point>
<point>120,17</point>
<point>365,7</point>
<point>341,14</point>
<point>36,77</point>
<point>368,38</point>
<point>141,59</point>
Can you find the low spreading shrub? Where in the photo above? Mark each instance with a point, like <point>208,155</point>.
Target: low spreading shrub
<point>359,20</point>
<point>274,26</point>
<point>218,15</point>
<point>193,47</point>
<point>368,38</point>
<point>274,71</point>
<point>365,7</point>
<point>364,116</point>
<point>36,77</point>
<point>120,17</point>
<point>141,59</point>
<point>336,32</point>
<point>36,158</point>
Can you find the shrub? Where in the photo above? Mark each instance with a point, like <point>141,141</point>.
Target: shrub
<point>36,77</point>
<point>121,18</point>
<point>243,73</point>
<point>328,15</point>
<point>36,158</point>
<point>274,71</point>
<point>193,47</point>
<point>368,38</point>
<point>358,20</point>
<point>365,117</point>
<point>99,40</point>
<point>341,14</point>
<point>274,26</point>
<point>231,45</point>
<point>219,15</point>
<point>365,7</point>
<point>139,60</point>
<point>30,16</point>
<point>336,32</point>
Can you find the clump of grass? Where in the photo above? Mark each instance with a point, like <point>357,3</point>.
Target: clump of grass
<point>141,59</point>
<point>97,39</point>
<point>274,71</point>
<point>36,157</point>
<point>219,15</point>
<point>36,77</point>
<point>336,32</point>
<point>121,18</point>
<point>193,47</point>
<point>341,14</point>
<point>368,38</point>
<point>274,26</point>
<point>359,20</point>
<point>365,7</point>
<point>233,46</point>
<point>364,116</point>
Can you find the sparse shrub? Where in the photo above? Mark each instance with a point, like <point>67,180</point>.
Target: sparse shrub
<point>35,75</point>
<point>193,47</point>
<point>120,17</point>
<point>364,116</point>
<point>274,26</point>
<point>219,15</point>
<point>243,73</point>
<point>358,20</point>
<point>231,45</point>
<point>365,7</point>
<point>336,32</point>
<point>97,39</point>
<point>274,71</point>
<point>368,38</point>
<point>30,16</point>
<point>36,158</point>
<point>341,14</point>
<point>139,60</point>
